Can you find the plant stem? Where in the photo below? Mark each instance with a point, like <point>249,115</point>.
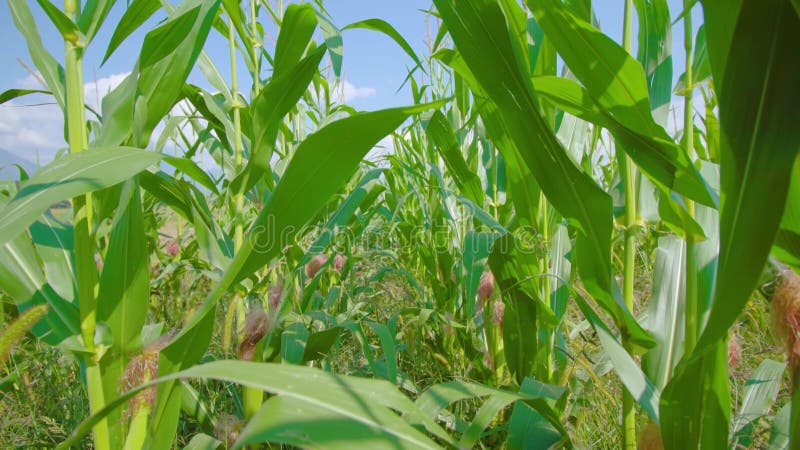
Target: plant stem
<point>692,307</point>
<point>252,396</point>
<point>544,269</point>
<point>628,170</point>
<point>86,270</point>
<point>255,44</point>
<point>238,197</point>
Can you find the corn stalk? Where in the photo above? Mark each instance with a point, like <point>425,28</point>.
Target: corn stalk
<point>86,270</point>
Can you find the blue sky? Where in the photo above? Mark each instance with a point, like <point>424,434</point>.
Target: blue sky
<point>374,67</point>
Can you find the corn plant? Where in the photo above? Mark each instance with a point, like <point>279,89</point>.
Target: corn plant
<point>445,294</point>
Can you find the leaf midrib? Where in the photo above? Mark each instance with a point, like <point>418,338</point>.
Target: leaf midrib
<point>586,222</point>
<point>67,179</point>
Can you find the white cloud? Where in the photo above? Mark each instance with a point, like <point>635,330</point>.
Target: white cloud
<point>31,82</point>
<point>34,125</point>
<point>344,92</point>
<point>348,91</point>
<point>94,91</point>
<point>30,130</point>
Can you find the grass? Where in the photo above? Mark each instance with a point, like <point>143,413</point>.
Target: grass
<point>385,304</point>
<point>33,417</point>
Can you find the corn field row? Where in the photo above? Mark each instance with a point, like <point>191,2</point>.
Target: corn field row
<point>539,261</point>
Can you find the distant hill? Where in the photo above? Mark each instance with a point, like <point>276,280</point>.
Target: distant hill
<point>8,171</point>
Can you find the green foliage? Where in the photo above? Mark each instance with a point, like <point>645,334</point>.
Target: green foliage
<point>460,290</point>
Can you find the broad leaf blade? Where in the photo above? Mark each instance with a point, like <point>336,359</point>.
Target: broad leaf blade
<point>50,69</point>
<point>67,177</point>
<point>480,32</point>
<point>297,27</point>
<point>441,133</point>
<point>124,293</point>
<point>384,27</point>
<point>135,15</point>
<point>760,141</point>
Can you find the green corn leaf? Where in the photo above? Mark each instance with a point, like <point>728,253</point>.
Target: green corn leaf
<point>672,210</point>
<point>571,97</point>
<point>163,40</point>
<point>135,15</point>
<point>616,80</point>
<point>525,191</point>
<point>319,344</point>
<point>760,392</point>
<point>384,27</point>
<point>214,243</point>
<point>655,46</point>
<point>124,291</point>
<point>297,27</point>
<point>92,15</point>
<point>513,275</point>
<point>706,253</point>
<point>194,406</point>
<point>695,404</point>
<point>203,442</point>
<point>779,434</point>
<point>168,191</point>
<point>389,349</point>
<point>480,33</point>
<point>54,243</point>
<point>720,22</point>
<point>441,133</point>
<point>333,41</point>
<point>518,25</point>
<point>787,243</point>
<point>480,214</point>
<point>528,428</point>
<point>68,29</point>
<point>759,147</point>
<point>343,215</point>
<point>215,79</point>
<point>329,393</point>
<point>194,171</point>
<point>637,383</point>
<point>67,177</point>
<point>375,427</point>
<point>159,83</point>
<point>607,71</point>
<point>11,94</point>
<point>275,101</point>
<point>316,171</point>
<point>22,279</point>
<point>293,343</point>
<point>660,159</point>
<point>438,397</point>
<point>51,71</point>
<point>117,112</point>
<point>665,311</point>
<point>139,103</point>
